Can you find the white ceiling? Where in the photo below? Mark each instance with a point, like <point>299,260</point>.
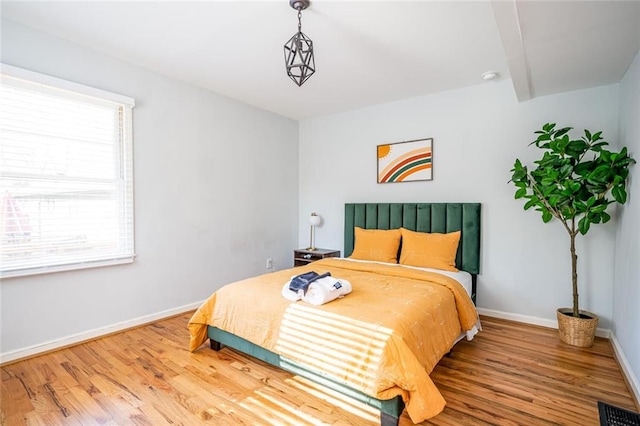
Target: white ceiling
<point>366,52</point>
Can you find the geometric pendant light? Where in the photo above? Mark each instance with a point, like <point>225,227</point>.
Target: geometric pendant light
<point>298,51</point>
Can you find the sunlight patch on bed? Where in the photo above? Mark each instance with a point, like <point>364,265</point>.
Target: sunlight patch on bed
<point>338,331</point>
<point>330,317</point>
<point>344,348</point>
<point>360,375</point>
<point>339,353</point>
<point>297,332</point>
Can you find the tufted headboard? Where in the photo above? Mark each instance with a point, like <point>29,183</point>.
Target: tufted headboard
<point>421,217</point>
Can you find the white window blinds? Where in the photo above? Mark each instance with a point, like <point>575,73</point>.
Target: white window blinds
<point>66,175</point>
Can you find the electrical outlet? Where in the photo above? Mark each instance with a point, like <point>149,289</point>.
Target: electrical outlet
<point>269,264</point>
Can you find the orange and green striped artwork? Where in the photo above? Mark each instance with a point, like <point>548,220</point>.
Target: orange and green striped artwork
<point>405,161</point>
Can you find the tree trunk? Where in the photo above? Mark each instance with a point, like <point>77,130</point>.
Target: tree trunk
<point>574,274</point>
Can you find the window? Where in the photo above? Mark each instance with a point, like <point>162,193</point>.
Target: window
<point>66,184</point>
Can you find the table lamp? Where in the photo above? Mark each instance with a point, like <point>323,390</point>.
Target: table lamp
<point>314,220</point>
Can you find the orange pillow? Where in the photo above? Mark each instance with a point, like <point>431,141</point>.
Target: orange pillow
<point>376,244</point>
<point>429,250</point>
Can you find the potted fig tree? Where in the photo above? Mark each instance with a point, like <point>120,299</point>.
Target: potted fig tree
<point>575,181</point>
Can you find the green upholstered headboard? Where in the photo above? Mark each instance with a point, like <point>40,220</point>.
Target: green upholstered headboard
<point>421,217</point>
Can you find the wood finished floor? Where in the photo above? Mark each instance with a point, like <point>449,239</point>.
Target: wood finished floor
<point>510,374</point>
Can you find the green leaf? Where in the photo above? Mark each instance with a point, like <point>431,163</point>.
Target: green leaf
<point>532,202</point>
<point>599,208</point>
<point>568,213</point>
<point>599,175</point>
<point>625,161</point>
<point>583,225</point>
<point>579,206</point>
<point>561,132</point>
<point>587,134</point>
<point>576,148</point>
<point>521,193</point>
<point>519,174</point>
<point>619,194</point>
<point>565,171</point>
<point>546,216</point>
<point>605,217</point>
<point>596,188</point>
<point>564,142</point>
<point>584,169</point>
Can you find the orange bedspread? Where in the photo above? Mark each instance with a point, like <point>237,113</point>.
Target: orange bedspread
<point>382,339</point>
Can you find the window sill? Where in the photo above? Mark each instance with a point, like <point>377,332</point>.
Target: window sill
<point>69,267</point>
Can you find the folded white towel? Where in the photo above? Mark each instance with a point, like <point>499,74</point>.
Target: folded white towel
<point>290,294</point>
<point>325,290</point>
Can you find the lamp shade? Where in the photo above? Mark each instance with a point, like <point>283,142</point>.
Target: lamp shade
<point>314,219</point>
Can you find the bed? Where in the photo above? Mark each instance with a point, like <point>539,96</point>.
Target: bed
<point>363,351</point>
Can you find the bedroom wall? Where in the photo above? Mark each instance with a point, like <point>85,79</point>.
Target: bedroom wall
<point>201,220</point>
<point>478,132</point>
<point>626,296</point>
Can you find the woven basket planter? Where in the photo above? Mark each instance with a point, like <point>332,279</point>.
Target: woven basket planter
<point>577,331</point>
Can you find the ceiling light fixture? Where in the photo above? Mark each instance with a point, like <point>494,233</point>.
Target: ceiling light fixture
<point>298,51</point>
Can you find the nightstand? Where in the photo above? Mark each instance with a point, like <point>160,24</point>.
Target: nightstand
<point>304,256</point>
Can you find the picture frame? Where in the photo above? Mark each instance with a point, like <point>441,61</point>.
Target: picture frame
<point>408,161</point>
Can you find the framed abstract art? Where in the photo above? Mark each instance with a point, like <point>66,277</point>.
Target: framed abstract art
<point>408,161</point>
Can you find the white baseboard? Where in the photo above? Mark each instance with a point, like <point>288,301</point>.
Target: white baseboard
<point>7,357</point>
<point>626,368</point>
<point>544,322</point>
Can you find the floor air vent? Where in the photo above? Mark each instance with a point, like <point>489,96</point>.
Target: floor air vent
<point>614,416</point>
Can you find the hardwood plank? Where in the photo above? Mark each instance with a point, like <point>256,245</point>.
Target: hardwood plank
<point>15,399</point>
<point>510,374</point>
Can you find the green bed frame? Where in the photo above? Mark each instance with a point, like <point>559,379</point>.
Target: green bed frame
<point>421,217</point>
